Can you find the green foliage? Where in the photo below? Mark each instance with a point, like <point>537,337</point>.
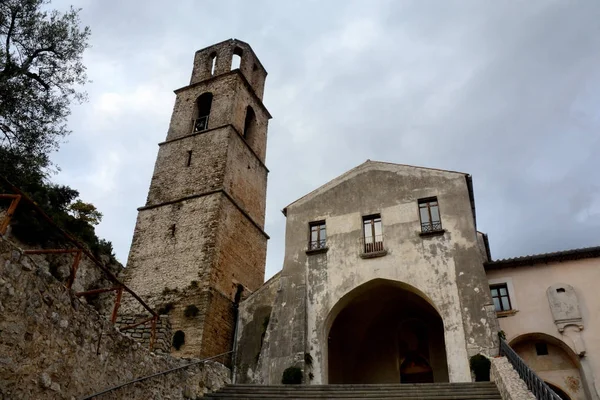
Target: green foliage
<point>502,335</point>
<point>41,71</point>
<point>480,365</point>
<point>85,212</point>
<point>292,376</point>
<point>191,311</point>
<point>178,339</point>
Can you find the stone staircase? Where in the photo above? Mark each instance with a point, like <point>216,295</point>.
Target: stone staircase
<point>437,391</point>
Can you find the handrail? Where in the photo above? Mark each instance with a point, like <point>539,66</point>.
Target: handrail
<point>20,198</point>
<point>154,375</point>
<point>538,387</point>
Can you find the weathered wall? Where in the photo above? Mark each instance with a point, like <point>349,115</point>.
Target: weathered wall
<point>532,315</point>
<point>142,333</point>
<point>510,385</point>
<point>446,269</point>
<point>253,319</point>
<point>250,66</point>
<point>200,235</point>
<point>556,368</point>
<point>54,346</point>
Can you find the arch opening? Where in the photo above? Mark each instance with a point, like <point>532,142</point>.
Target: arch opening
<point>386,334</point>
<point>203,106</point>
<point>553,360</point>
<point>249,123</point>
<point>236,61</point>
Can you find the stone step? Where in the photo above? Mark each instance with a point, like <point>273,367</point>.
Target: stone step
<point>437,391</point>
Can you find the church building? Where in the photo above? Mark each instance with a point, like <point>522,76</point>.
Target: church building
<point>385,279</point>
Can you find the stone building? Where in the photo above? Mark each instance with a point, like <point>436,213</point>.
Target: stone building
<point>199,239</point>
<point>549,307</point>
<point>382,282</point>
<point>385,279</point>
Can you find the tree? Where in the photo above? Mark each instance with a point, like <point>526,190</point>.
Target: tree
<point>41,71</point>
<point>86,212</point>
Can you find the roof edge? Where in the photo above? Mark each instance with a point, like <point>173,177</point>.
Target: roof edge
<point>544,258</point>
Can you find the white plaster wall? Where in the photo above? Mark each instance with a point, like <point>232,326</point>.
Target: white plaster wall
<point>406,263</point>
<point>529,290</point>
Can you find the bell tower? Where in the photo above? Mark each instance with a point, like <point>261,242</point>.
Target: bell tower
<point>199,240</point>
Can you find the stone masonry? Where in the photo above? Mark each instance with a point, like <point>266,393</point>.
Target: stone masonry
<point>54,346</point>
<point>199,241</point>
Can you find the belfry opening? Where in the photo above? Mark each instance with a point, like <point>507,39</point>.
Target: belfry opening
<point>386,332</point>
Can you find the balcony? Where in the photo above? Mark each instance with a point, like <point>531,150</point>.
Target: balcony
<point>431,228</point>
<point>317,246</point>
<point>372,246</point>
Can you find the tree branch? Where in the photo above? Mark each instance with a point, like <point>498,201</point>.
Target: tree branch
<point>13,17</point>
<point>38,79</point>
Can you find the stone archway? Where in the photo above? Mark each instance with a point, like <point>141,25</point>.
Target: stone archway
<point>386,332</point>
<point>554,361</point>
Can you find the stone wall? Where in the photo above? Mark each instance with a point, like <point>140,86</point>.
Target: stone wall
<point>54,346</point>
<point>510,385</point>
<point>143,333</point>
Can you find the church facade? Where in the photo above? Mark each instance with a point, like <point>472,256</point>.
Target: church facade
<point>385,279</point>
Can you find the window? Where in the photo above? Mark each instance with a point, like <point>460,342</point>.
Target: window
<point>500,297</point>
<point>541,349</point>
<point>249,123</point>
<point>236,61</point>
<point>372,234</point>
<point>203,104</point>
<point>430,215</point>
<point>318,236</point>
<point>213,63</point>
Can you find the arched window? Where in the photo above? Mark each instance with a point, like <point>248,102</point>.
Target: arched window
<point>249,123</point>
<point>203,104</point>
<point>213,63</point>
<point>236,62</point>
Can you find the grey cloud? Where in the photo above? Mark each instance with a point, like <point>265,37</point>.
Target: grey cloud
<point>506,91</point>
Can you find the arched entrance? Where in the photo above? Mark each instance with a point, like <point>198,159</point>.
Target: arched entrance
<point>386,332</point>
<point>554,362</point>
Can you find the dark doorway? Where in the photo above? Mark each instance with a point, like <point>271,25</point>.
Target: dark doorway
<point>386,333</point>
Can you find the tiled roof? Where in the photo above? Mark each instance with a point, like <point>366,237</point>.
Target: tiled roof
<point>558,256</point>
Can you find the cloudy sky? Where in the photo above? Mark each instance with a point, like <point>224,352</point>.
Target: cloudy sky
<point>508,91</point>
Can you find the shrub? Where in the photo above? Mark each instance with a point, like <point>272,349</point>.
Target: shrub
<point>165,308</point>
<point>480,365</point>
<point>292,376</point>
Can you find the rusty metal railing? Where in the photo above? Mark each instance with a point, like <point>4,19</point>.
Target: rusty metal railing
<point>78,250</point>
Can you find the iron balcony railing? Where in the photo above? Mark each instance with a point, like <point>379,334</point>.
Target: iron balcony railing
<point>200,124</point>
<point>317,244</point>
<point>538,387</point>
<point>433,226</point>
<point>372,244</point>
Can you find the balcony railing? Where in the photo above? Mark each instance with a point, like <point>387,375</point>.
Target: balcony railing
<point>372,244</point>
<point>538,387</point>
<point>200,124</point>
<point>434,226</point>
<point>317,244</point>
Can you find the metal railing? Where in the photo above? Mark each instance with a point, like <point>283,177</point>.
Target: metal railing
<point>433,226</point>
<point>372,244</point>
<point>538,387</point>
<point>143,378</point>
<point>317,244</point>
<point>18,198</point>
<point>200,124</point>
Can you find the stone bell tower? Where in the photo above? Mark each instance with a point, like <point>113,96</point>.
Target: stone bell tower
<point>199,240</point>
